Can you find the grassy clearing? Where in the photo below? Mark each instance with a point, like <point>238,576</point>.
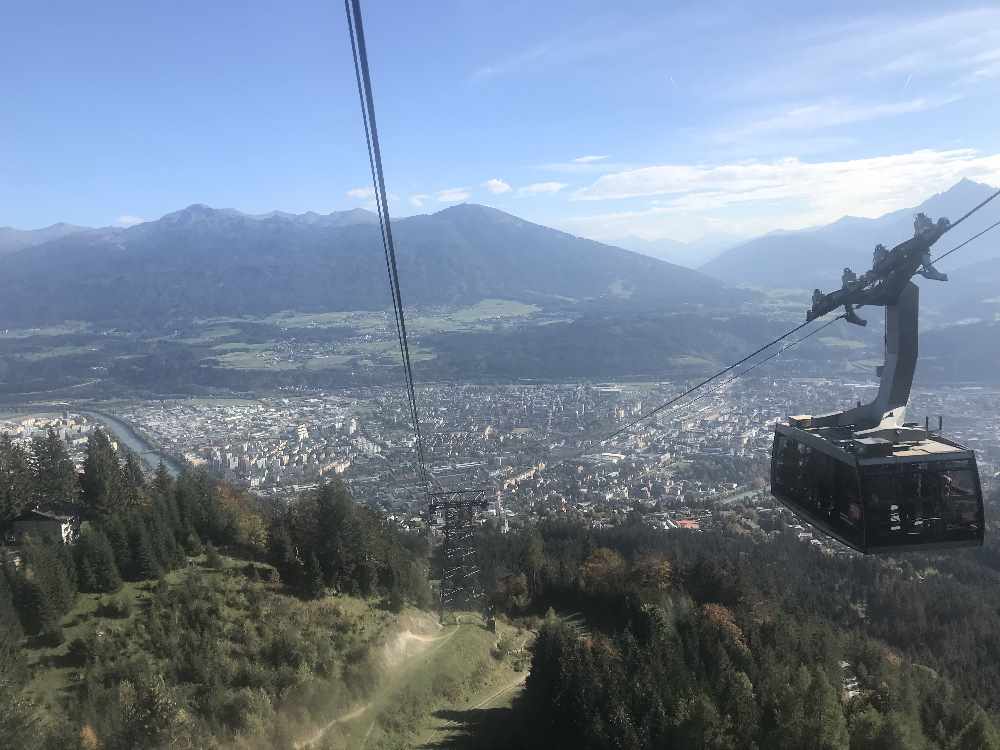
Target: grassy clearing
<point>457,672</point>
<point>487,311</point>
<point>62,329</point>
<point>263,356</point>
<point>58,351</point>
<point>352,626</point>
<point>52,678</point>
<point>209,335</point>
<point>239,346</point>
<point>690,360</point>
<point>363,320</point>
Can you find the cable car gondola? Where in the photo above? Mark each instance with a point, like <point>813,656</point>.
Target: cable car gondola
<point>866,476</point>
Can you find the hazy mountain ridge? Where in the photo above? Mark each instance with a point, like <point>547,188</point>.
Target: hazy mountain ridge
<point>204,262</point>
<point>815,257</point>
<point>12,240</point>
<point>687,254</point>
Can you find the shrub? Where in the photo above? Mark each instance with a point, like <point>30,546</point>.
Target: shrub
<point>81,651</point>
<point>119,608</point>
<point>212,557</point>
<point>193,544</point>
<point>504,647</point>
<point>52,636</point>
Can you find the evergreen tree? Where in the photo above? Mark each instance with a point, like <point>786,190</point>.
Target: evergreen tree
<point>822,707</point>
<point>19,721</point>
<point>312,578</point>
<point>212,557</point>
<point>56,480</point>
<point>978,734</point>
<point>133,479</point>
<point>17,486</point>
<point>101,483</point>
<point>145,562</point>
<point>11,660</point>
<point>34,608</point>
<point>85,574</point>
<point>117,534</point>
<point>43,589</point>
<point>162,484</point>
<point>281,551</point>
<point>97,570</point>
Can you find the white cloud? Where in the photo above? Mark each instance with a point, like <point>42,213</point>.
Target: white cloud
<point>575,166</point>
<point>827,114</point>
<point>497,186</point>
<point>129,221</point>
<point>754,197</point>
<point>932,47</point>
<point>589,159</point>
<point>573,47</point>
<point>538,188</point>
<point>418,200</point>
<point>453,195</point>
<point>362,193</point>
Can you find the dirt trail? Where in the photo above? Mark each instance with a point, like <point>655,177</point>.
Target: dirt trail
<point>321,732</point>
<point>505,689</point>
<point>398,650</point>
<point>449,726</point>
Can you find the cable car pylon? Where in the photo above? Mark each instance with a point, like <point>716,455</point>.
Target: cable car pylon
<point>459,579</point>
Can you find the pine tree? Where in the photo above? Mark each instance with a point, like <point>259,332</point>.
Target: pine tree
<point>56,480</point>
<point>17,486</point>
<point>281,553</point>
<point>97,570</point>
<point>145,564</point>
<point>133,479</point>
<point>33,606</point>
<point>85,574</point>
<point>163,484</point>
<point>978,734</point>
<point>312,577</point>
<point>117,534</point>
<point>822,706</point>
<point>11,658</point>
<point>46,564</point>
<point>101,483</point>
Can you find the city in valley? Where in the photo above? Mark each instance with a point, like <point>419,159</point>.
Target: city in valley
<point>541,449</point>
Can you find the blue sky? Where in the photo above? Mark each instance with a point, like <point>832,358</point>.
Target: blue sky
<point>605,119</point>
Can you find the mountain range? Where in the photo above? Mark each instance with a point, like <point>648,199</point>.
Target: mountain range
<point>12,240</point>
<point>815,257</point>
<point>205,262</point>
<point>689,254</point>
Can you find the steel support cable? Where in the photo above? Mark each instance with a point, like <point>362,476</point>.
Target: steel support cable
<point>994,225</point>
<point>705,382</point>
<point>361,70</point>
<point>952,226</point>
<point>719,386</point>
<point>708,380</point>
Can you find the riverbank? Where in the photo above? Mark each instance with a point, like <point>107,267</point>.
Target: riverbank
<point>124,433</point>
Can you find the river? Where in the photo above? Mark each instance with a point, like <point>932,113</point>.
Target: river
<point>125,434</point>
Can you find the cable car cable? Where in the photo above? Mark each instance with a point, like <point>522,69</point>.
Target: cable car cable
<point>362,73</point>
<point>719,386</point>
<point>994,225</point>
<point>708,380</point>
<point>705,382</point>
<point>955,224</point>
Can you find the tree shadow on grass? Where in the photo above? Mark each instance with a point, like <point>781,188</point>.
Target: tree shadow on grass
<point>476,729</point>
